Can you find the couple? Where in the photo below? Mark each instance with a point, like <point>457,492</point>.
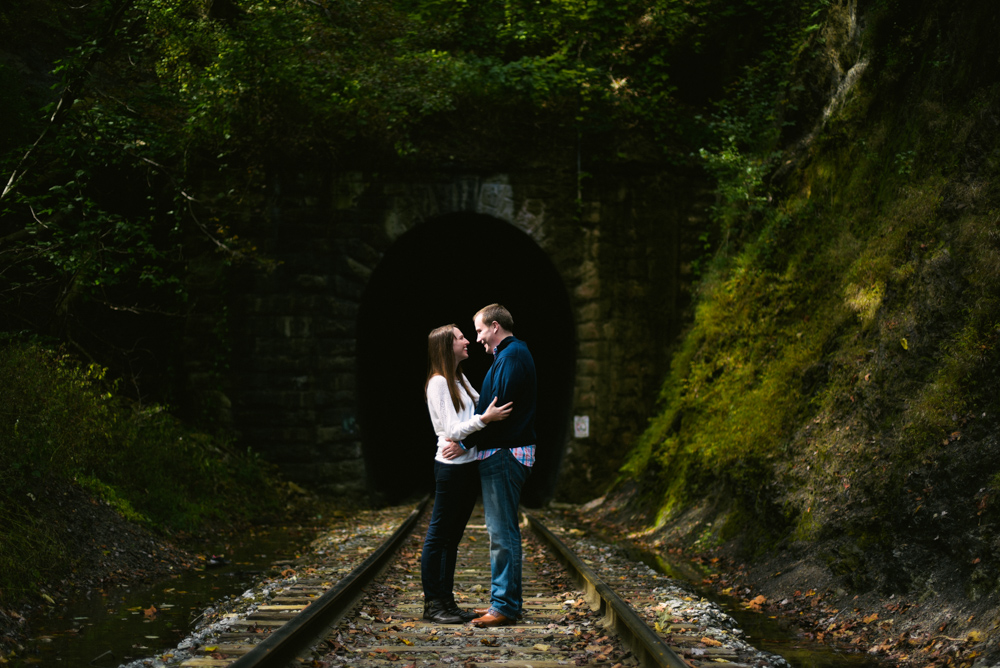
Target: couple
<point>499,459</point>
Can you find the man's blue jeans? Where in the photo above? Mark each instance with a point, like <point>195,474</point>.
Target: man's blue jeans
<point>502,477</point>
<point>456,487</point>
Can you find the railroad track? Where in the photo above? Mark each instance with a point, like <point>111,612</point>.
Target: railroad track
<point>372,616</point>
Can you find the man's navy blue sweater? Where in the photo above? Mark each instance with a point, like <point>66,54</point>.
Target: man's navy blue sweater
<point>510,378</point>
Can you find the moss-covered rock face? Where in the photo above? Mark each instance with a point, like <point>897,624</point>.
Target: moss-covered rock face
<point>839,385</point>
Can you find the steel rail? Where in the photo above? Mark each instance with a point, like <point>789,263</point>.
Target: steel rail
<point>649,648</point>
<point>285,643</point>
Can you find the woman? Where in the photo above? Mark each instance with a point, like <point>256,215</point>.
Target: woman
<point>451,402</point>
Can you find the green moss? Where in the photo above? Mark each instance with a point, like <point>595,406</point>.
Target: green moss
<point>109,494</point>
<point>865,300</point>
<point>805,527</point>
<point>843,365</point>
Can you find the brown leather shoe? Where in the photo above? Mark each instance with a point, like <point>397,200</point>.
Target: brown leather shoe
<point>489,620</point>
<point>480,611</point>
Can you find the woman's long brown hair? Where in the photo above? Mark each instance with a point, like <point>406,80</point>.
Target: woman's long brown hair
<point>441,362</point>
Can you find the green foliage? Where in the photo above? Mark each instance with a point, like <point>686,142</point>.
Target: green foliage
<point>98,216</point>
<point>740,183</point>
<point>747,124</point>
<point>61,425</point>
<point>166,118</point>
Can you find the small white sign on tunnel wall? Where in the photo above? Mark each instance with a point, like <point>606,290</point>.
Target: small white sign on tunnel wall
<point>581,426</point>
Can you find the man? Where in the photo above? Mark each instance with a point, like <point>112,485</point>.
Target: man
<point>506,455</point>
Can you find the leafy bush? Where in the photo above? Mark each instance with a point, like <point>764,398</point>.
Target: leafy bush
<point>61,424</point>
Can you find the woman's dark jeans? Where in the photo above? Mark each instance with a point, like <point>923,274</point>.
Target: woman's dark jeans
<point>455,491</point>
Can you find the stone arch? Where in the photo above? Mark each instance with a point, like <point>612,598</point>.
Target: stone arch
<point>605,285</point>
<point>442,271</point>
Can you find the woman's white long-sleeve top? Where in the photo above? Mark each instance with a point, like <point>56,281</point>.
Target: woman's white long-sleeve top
<point>449,423</point>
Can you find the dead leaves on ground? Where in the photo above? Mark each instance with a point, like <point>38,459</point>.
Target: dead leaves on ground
<point>886,633</point>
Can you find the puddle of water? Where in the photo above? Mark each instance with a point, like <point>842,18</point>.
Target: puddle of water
<point>770,634</point>
<point>122,624</point>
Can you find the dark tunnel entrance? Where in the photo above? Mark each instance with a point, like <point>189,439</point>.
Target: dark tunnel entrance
<point>441,272</point>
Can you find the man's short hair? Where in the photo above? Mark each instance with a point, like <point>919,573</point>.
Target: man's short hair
<point>496,313</point>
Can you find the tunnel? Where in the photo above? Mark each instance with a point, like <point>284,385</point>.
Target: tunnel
<point>443,271</point>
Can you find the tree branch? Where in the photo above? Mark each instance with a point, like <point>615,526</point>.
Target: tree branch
<point>68,96</point>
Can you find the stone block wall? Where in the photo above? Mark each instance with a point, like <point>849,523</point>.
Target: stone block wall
<point>292,377</point>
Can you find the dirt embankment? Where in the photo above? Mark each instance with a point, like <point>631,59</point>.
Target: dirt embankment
<point>102,549</point>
